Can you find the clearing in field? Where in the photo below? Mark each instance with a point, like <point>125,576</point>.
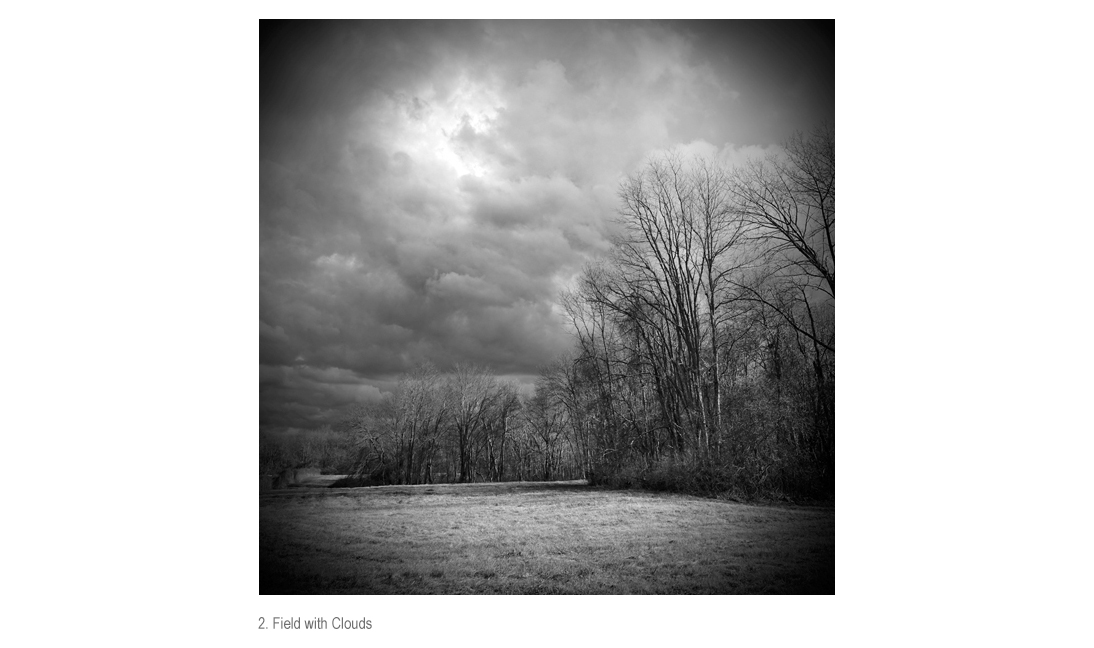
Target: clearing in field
<point>537,538</point>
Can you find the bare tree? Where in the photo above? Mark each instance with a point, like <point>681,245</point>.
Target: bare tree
<point>675,270</point>
<point>790,200</point>
<point>423,407</point>
<point>545,420</point>
<point>374,427</point>
<point>472,389</point>
<point>496,425</point>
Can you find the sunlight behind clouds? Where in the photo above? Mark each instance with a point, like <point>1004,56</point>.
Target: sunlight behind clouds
<point>428,127</point>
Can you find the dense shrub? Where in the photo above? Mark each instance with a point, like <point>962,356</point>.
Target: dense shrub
<point>748,477</point>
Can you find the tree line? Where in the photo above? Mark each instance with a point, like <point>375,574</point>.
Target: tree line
<point>466,426</point>
<point>460,427</point>
<point>704,355</point>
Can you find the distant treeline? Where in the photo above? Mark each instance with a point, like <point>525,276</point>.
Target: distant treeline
<point>467,426</point>
<point>704,358</point>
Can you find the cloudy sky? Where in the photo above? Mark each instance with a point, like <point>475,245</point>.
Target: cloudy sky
<point>427,189</point>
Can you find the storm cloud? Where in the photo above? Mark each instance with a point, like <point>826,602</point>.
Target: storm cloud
<point>428,188</point>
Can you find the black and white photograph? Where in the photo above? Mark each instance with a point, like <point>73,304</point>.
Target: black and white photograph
<point>547,307</point>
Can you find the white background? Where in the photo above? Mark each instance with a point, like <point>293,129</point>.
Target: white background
<point>130,268</point>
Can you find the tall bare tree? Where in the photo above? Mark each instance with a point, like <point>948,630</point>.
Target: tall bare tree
<point>682,247</point>
<point>496,425</point>
<point>423,408</point>
<point>473,388</point>
<point>789,200</point>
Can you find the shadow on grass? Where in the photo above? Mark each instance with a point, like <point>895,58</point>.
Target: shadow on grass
<point>481,488</point>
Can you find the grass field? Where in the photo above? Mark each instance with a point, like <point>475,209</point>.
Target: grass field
<point>537,538</point>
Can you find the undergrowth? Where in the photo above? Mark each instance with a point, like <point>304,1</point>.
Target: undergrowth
<point>740,480</point>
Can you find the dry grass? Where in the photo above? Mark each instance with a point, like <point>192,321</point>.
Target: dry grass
<point>544,538</point>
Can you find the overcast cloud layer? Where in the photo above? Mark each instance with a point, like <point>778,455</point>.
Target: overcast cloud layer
<point>426,189</point>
